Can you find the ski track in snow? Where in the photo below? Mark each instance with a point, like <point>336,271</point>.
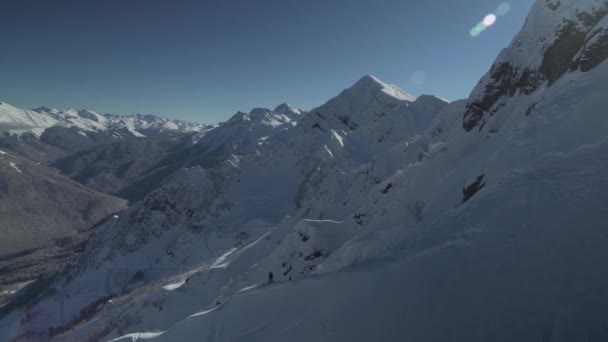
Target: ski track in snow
<point>14,166</point>
<point>220,262</point>
<point>138,336</point>
<point>321,221</point>
<point>174,286</point>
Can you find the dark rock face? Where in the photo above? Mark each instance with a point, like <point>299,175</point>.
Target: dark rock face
<point>558,57</point>
<point>470,190</point>
<point>553,5</point>
<point>596,53</point>
<point>579,46</point>
<point>508,80</point>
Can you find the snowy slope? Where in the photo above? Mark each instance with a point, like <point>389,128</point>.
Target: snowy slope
<point>382,216</point>
<point>16,120</point>
<point>520,260</point>
<point>248,194</point>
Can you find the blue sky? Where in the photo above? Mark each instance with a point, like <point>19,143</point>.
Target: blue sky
<point>205,60</point>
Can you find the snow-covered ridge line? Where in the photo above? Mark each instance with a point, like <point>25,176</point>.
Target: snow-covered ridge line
<point>17,121</point>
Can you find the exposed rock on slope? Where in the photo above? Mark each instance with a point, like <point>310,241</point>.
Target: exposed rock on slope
<point>558,37</point>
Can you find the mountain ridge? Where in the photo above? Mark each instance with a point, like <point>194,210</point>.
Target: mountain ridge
<point>35,121</point>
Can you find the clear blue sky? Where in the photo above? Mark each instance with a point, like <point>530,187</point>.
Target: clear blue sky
<point>204,60</point>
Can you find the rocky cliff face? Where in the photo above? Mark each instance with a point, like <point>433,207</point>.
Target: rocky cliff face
<point>559,37</point>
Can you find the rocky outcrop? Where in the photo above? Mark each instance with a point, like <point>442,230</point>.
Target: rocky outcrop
<point>574,36</point>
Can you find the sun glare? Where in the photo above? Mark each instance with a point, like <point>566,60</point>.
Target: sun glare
<point>489,20</point>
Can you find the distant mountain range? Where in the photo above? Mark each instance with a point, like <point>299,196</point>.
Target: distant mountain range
<point>35,121</point>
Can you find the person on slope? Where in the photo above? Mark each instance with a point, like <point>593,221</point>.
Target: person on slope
<point>270,278</point>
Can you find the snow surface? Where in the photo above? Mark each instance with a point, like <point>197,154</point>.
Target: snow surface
<point>174,286</point>
<point>14,166</point>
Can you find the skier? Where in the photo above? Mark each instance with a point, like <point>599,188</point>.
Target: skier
<point>270,278</point>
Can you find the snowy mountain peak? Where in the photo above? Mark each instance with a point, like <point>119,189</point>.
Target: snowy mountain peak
<point>369,102</point>
<point>259,112</point>
<point>286,109</point>
<point>238,116</point>
<point>371,85</point>
<point>264,116</point>
<point>430,98</point>
<point>370,80</point>
<point>44,109</point>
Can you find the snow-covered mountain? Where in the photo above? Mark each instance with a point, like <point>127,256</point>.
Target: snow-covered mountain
<point>17,121</point>
<point>273,163</point>
<point>131,168</point>
<point>382,216</point>
<point>124,156</point>
<point>46,135</point>
<point>243,133</point>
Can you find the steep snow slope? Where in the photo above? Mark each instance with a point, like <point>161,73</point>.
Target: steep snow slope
<point>520,260</point>
<point>15,120</point>
<point>533,276</point>
<point>510,239</point>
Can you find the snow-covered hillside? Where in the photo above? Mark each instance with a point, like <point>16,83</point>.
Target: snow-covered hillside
<point>382,216</point>
<point>279,161</point>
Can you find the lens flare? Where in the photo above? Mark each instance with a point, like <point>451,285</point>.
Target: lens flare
<point>489,20</point>
<point>476,31</point>
<point>503,9</point>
